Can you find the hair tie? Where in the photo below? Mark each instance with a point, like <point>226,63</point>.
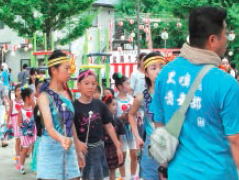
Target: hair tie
<point>24,87</point>
<point>119,75</point>
<point>107,97</point>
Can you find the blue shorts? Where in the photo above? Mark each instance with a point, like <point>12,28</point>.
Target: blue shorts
<point>50,160</point>
<point>148,166</point>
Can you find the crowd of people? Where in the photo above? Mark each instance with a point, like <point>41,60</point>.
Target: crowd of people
<point>90,136</point>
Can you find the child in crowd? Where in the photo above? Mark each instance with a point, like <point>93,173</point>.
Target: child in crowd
<point>108,91</point>
<point>91,116</point>
<point>124,102</point>
<point>97,92</point>
<point>15,107</point>
<point>27,125</point>
<point>39,127</point>
<point>110,150</point>
<point>152,63</point>
<point>58,147</point>
<point>33,79</point>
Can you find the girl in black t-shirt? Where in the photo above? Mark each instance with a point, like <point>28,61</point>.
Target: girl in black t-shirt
<point>110,150</point>
<point>91,116</point>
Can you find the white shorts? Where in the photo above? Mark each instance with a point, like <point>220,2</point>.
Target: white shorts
<point>128,140</point>
<point>5,90</point>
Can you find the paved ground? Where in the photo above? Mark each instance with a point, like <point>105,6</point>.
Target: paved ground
<point>7,170</point>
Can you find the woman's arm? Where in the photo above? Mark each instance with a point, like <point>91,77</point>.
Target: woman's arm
<point>43,103</point>
<point>80,146</point>
<point>19,118</point>
<point>133,110</point>
<point>9,113</point>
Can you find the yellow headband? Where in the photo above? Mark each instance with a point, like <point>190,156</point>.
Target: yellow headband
<point>153,60</point>
<point>56,61</point>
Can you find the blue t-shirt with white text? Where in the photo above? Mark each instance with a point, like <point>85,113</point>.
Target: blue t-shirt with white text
<point>204,151</point>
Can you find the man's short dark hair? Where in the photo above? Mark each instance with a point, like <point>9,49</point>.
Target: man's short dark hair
<point>204,22</point>
<point>24,66</point>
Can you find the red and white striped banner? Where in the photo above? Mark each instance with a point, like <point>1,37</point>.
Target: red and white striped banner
<point>124,68</point>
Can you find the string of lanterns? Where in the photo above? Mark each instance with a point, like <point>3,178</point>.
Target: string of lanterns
<point>145,28</point>
<point>14,47</point>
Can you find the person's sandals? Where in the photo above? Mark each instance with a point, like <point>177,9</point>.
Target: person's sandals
<point>23,171</point>
<point>4,144</point>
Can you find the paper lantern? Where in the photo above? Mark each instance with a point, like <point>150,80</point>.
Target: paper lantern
<point>146,30</point>
<point>230,53</point>
<point>5,47</point>
<point>120,23</point>
<point>132,34</point>
<point>164,35</point>
<point>179,25</point>
<point>119,48</point>
<point>231,36</point>
<point>131,21</point>
<point>30,46</point>
<point>141,27</point>
<point>122,37</point>
<point>147,21</point>
<point>130,39</point>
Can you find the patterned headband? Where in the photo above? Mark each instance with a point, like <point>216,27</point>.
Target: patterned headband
<point>56,61</point>
<point>152,60</point>
<point>86,73</point>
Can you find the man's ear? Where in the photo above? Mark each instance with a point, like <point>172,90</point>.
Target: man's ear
<point>212,42</point>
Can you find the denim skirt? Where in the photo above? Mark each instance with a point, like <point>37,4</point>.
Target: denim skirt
<point>96,165</point>
<point>50,160</point>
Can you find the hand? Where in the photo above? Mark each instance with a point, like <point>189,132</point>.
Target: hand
<point>83,148</point>
<point>65,142</point>
<point>81,160</point>
<point>120,155</point>
<point>124,116</point>
<point>163,172</point>
<point>139,143</point>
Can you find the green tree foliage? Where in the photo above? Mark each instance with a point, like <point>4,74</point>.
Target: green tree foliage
<point>169,12</point>
<point>46,16</point>
<point>125,10</point>
<point>182,9</point>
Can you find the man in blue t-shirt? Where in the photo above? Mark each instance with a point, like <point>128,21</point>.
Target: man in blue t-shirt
<point>5,81</point>
<point>209,141</point>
